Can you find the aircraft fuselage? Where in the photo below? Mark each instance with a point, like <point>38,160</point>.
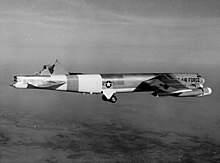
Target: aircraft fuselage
<point>55,77</point>
<point>107,84</point>
<point>96,83</point>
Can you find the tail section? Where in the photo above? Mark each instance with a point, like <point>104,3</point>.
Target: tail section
<point>53,77</point>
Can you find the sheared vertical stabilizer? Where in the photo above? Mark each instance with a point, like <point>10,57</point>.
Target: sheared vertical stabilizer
<point>55,69</point>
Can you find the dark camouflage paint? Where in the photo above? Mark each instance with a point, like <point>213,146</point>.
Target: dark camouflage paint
<point>72,83</point>
<point>136,80</point>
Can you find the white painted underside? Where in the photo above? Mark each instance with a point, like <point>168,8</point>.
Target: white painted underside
<point>60,78</point>
<point>110,92</point>
<point>90,83</point>
<point>62,87</point>
<point>124,90</point>
<point>181,91</point>
<point>20,85</point>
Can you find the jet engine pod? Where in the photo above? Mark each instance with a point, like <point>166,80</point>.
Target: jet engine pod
<point>196,92</point>
<point>159,94</point>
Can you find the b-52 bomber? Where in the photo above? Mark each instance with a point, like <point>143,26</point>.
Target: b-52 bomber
<point>55,77</point>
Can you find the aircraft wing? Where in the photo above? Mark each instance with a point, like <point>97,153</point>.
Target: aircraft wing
<point>167,84</point>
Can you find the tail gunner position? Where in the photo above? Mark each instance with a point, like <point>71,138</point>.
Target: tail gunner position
<point>54,77</point>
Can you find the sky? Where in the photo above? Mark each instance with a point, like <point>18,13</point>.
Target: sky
<point>105,36</point>
<point>92,35</point>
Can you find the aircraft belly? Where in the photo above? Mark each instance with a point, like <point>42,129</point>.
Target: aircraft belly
<point>62,78</point>
<point>121,90</point>
<point>90,83</point>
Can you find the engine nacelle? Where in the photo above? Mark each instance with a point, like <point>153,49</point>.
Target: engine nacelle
<point>159,94</point>
<point>195,92</point>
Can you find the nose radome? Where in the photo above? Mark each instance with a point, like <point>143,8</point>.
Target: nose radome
<point>207,91</point>
<point>201,80</point>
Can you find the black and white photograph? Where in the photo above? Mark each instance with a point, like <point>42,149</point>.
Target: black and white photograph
<point>109,81</point>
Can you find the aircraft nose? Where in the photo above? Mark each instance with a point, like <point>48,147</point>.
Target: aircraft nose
<point>209,90</point>
<point>201,80</point>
